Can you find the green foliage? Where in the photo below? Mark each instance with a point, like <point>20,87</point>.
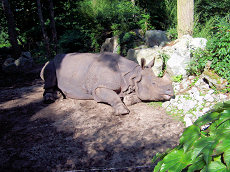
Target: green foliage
<point>205,150</point>
<point>217,50</point>
<point>129,40</point>
<point>177,78</point>
<point>4,39</point>
<point>72,40</point>
<point>172,33</point>
<point>110,18</point>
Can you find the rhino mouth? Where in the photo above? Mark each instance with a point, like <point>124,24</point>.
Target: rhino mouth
<point>167,97</point>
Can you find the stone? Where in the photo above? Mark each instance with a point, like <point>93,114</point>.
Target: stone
<point>222,97</point>
<point>155,38</point>
<point>208,98</point>
<point>176,65</point>
<point>110,45</point>
<point>180,54</point>
<point>166,104</point>
<point>198,43</point>
<point>187,120</point>
<point>9,66</point>
<point>26,54</point>
<point>213,80</point>
<point>148,54</point>
<point>205,110</point>
<point>23,64</point>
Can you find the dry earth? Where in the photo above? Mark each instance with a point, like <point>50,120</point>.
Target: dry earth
<point>79,135</point>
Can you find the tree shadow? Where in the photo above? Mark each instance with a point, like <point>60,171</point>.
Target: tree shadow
<point>36,137</point>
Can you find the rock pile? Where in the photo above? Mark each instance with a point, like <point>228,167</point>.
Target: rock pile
<point>23,64</point>
<point>194,98</point>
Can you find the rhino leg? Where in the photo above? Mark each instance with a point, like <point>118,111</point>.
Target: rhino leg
<point>50,82</point>
<point>109,96</point>
<point>131,99</point>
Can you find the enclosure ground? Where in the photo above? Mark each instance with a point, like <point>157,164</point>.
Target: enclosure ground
<point>79,135</point>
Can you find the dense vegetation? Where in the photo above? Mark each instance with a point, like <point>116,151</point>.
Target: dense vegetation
<point>204,146</point>
<point>84,25</point>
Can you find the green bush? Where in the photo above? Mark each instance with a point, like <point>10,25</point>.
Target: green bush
<point>129,40</point>
<point>74,41</point>
<point>217,50</point>
<point>4,39</point>
<point>206,149</point>
<point>105,18</point>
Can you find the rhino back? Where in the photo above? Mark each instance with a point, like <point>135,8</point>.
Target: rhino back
<point>71,70</point>
<point>79,74</point>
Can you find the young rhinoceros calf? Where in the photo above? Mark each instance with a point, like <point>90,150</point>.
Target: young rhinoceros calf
<point>106,77</point>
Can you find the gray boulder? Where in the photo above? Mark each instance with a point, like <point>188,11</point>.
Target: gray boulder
<point>155,38</point>
<point>22,64</point>
<point>9,66</point>
<point>148,54</point>
<point>180,53</point>
<point>110,45</point>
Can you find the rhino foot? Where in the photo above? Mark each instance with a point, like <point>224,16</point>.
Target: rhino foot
<point>131,99</point>
<point>121,109</point>
<point>48,98</point>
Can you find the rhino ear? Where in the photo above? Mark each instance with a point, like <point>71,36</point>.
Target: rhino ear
<point>151,64</point>
<point>143,62</point>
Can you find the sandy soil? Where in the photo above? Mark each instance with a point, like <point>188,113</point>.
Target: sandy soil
<point>79,135</point>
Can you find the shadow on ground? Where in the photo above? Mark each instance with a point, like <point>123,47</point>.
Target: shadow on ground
<point>79,135</point>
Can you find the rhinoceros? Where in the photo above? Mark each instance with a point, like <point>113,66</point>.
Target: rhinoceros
<point>107,77</point>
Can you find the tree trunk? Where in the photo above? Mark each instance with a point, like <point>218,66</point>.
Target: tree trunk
<point>52,23</point>
<point>45,37</point>
<point>11,29</point>
<point>185,17</point>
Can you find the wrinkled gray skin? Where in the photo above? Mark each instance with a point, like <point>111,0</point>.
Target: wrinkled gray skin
<point>106,77</point>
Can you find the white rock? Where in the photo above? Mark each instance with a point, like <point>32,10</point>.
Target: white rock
<point>180,106</point>
<point>205,110</point>
<point>176,65</point>
<point>187,120</point>
<point>208,98</point>
<point>166,104</point>
<point>210,91</point>
<point>222,96</point>
<point>197,43</point>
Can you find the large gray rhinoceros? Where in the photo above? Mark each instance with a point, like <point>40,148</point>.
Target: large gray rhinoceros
<point>106,77</point>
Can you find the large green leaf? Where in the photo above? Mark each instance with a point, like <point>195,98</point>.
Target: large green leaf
<point>176,161</point>
<point>204,146</point>
<point>158,166</point>
<point>216,166</point>
<point>227,157</point>
<point>207,118</point>
<point>197,164</point>
<point>223,145</point>
<point>190,135</point>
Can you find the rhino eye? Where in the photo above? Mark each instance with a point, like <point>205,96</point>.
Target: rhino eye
<point>153,83</point>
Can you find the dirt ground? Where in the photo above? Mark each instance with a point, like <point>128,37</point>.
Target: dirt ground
<point>79,135</point>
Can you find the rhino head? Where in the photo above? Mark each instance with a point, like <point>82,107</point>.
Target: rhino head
<point>149,87</point>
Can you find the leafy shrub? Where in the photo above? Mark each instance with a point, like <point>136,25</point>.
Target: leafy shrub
<point>105,18</point>
<point>217,51</point>
<point>73,41</point>
<point>129,40</point>
<point>4,39</point>
<point>206,149</point>
<point>177,78</point>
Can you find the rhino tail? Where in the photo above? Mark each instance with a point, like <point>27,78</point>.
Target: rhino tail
<point>42,71</point>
